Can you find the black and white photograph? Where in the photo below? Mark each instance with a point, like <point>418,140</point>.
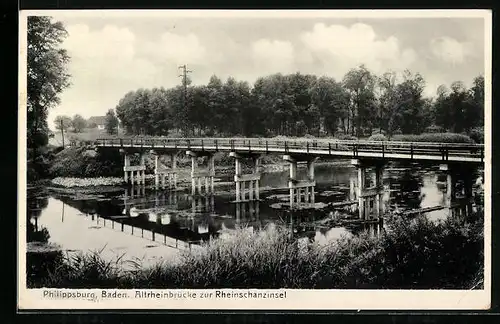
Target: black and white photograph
<point>284,159</point>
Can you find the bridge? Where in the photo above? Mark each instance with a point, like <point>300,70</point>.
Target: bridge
<point>455,159</point>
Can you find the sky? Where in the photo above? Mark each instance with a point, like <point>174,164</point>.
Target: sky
<point>114,54</point>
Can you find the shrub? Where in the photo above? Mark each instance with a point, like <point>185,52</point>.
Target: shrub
<point>73,162</point>
<point>377,137</point>
<point>434,129</point>
<point>347,137</point>
<point>477,134</point>
<point>434,137</point>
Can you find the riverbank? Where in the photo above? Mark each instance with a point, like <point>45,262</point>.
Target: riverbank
<point>410,254</point>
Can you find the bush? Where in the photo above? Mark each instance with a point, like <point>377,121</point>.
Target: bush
<point>73,162</point>
<point>377,137</point>
<point>347,137</point>
<point>434,129</point>
<point>39,161</point>
<point>477,134</point>
<point>434,137</point>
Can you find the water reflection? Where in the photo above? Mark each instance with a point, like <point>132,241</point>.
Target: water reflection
<point>35,205</point>
<point>141,221</point>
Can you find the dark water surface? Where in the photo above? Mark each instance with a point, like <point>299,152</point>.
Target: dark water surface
<point>149,225</point>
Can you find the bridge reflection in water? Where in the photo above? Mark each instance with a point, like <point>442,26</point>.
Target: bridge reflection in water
<point>182,220</point>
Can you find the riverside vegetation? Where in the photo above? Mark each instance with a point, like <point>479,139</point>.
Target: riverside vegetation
<point>410,254</point>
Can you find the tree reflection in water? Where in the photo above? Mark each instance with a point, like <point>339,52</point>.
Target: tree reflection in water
<point>35,205</point>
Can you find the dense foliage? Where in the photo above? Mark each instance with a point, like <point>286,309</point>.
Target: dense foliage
<point>411,254</point>
<point>46,79</point>
<point>47,75</point>
<point>81,162</point>
<point>299,104</point>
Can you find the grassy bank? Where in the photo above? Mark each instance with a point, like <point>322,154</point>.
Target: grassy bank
<point>416,254</point>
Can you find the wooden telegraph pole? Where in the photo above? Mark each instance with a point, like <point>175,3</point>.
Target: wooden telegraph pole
<point>183,75</point>
<point>62,132</point>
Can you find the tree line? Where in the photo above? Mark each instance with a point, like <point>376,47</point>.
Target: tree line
<point>78,123</point>
<point>297,104</point>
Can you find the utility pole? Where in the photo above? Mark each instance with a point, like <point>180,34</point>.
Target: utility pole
<point>183,75</point>
<point>62,132</point>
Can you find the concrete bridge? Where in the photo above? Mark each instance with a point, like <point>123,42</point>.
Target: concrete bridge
<point>457,160</point>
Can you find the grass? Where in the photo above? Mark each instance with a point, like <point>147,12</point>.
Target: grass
<point>411,254</point>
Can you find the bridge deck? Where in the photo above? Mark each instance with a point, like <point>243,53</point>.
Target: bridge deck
<point>391,150</point>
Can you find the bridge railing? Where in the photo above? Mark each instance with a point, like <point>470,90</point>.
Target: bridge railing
<point>313,145</point>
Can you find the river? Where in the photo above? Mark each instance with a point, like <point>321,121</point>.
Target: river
<point>147,226</point>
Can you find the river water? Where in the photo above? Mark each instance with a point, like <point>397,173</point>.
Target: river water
<point>145,225</point>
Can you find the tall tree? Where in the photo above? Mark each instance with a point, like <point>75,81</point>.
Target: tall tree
<point>111,123</point>
<point>360,83</point>
<point>410,110</point>
<point>47,74</point>
<point>63,122</point>
<point>332,101</point>
<point>388,101</point>
<point>475,111</point>
<point>78,123</point>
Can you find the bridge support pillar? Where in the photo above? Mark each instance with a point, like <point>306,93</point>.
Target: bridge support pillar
<point>165,177</point>
<point>248,211</point>
<point>135,174</point>
<point>370,198</point>
<point>301,190</point>
<point>201,178</point>
<point>460,199</point>
<point>241,180</point>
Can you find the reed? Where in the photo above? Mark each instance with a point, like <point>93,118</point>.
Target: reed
<point>410,254</point>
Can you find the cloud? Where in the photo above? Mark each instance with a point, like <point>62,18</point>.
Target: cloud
<point>343,48</point>
<point>177,49</point>
<point>104,65</point>
<point>449,49</point>
<point>109,42</point>
<point>275,55</point>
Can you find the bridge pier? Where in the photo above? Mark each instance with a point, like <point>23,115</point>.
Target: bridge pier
<point>252,179</point>
<point>370,199</point>
<point>203,204</point>
<point>249,210</point>
<point>301,188</point>
<point>200,178</point>
<point>454,173</point>
<point>162,174</point>
<point>135,174</point>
